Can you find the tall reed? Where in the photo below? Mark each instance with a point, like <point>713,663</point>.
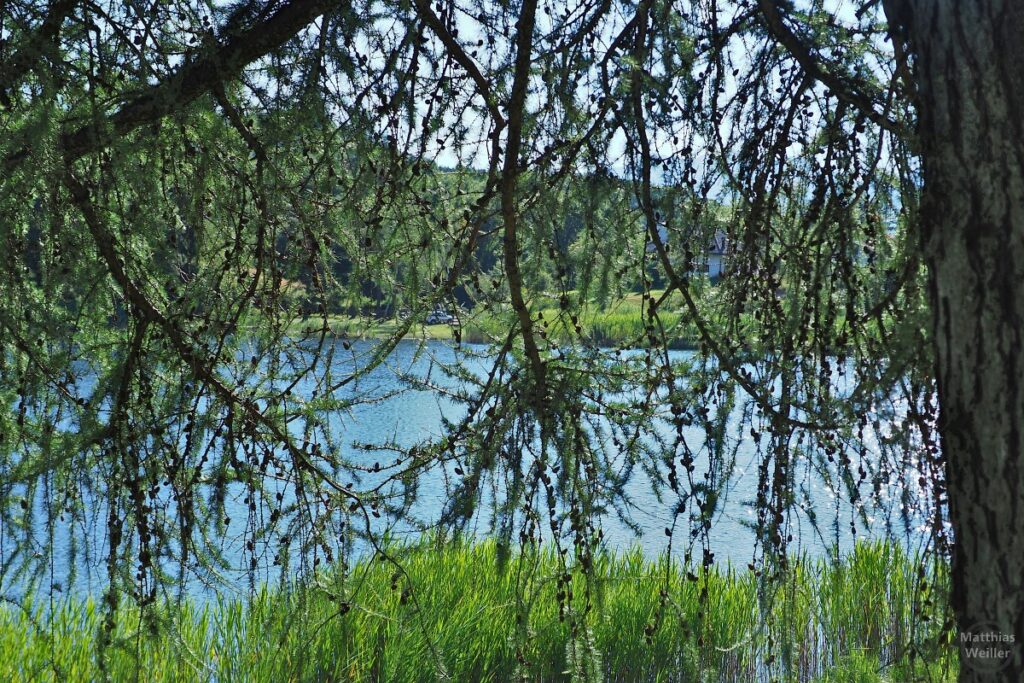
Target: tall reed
<point>455,612</point>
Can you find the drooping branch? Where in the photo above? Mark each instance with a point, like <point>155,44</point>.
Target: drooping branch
<point>187,351</point>
<point>677,281</point>
<point>193,80</point>
<point>843,88</point>
<point>35,46</point>
<point>463,59</point>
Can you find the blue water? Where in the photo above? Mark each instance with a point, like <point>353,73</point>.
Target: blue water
<point>403,416</point>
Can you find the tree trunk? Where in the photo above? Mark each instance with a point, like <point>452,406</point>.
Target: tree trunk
<point>968,60</point>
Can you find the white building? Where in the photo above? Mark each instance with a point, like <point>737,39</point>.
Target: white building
<point>717,256</point>
<point>713,261</point>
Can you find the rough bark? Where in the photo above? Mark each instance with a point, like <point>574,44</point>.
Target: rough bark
<point>971,102</point>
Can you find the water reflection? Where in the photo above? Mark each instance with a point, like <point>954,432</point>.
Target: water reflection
<point>399,415</point>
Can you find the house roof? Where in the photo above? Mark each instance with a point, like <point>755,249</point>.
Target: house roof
<point>719,244</point>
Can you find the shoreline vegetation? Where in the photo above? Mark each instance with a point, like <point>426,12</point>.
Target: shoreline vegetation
<point>620,323</point>
<point>458,611</point>
<point>606,332</point>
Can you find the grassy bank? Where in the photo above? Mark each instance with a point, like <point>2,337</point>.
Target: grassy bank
<point>351,327</point>
<point>454,613</point>
<point>622,322</point>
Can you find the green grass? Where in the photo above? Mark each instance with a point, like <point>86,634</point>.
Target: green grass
<point>621,322</point>
<point>453,612</point>
<point>369,328</point>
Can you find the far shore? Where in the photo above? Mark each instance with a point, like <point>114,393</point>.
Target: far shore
<point>353,328</point>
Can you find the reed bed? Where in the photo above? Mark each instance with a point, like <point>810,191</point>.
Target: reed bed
<point>456,612</point>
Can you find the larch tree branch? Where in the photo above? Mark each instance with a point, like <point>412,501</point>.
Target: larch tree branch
<point>842,87</point>
<point>42,41</point>
<point>193,80</point>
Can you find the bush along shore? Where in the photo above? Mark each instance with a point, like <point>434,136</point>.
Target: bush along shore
<point>463,612</point>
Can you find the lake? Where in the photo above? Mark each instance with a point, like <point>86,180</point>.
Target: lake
<point>404,416</point>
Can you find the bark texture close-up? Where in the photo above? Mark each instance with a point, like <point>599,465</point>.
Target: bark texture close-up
<point>971,136</point>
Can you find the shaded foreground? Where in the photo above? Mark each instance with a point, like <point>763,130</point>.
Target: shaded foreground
<point>457,612</point>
